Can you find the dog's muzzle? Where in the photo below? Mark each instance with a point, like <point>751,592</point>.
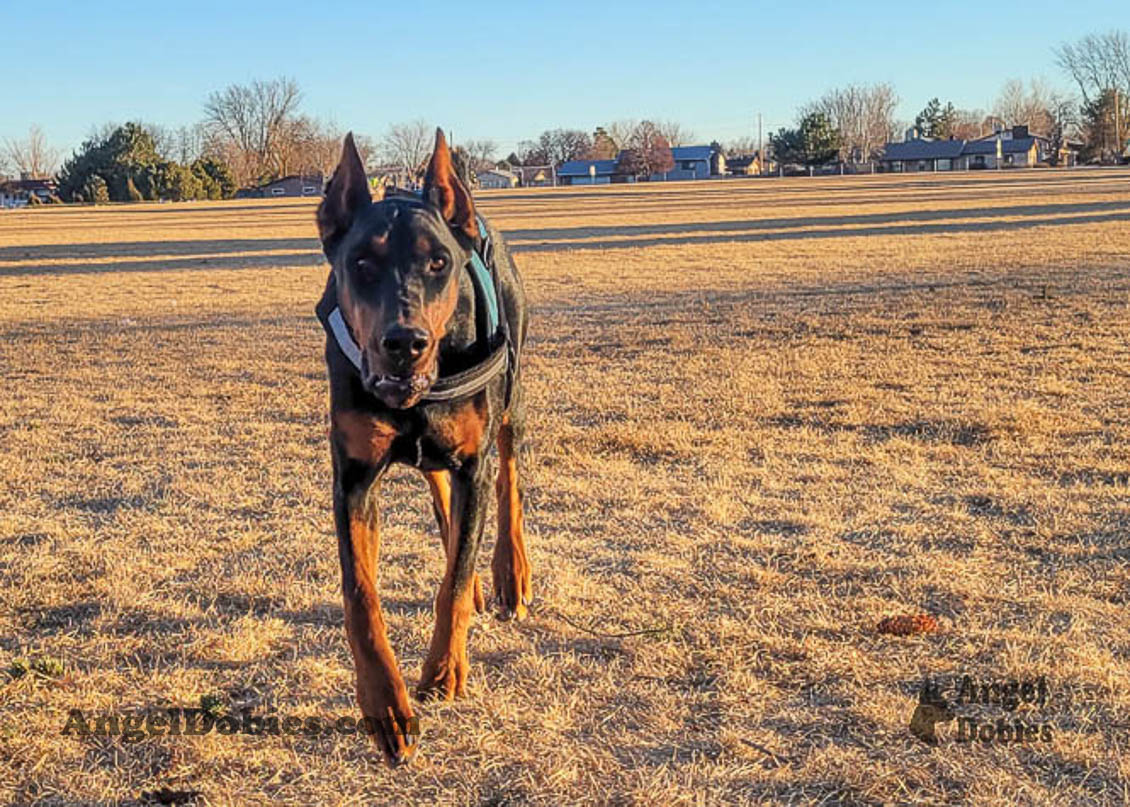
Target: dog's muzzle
<point>397,391</point>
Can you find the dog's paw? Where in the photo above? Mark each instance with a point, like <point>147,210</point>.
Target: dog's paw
<point>395,730</point>
<point>444,678</point>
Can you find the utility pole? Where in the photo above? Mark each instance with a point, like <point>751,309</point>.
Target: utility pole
<point>760,148</point>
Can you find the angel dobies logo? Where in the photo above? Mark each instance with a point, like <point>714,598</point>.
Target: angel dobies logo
<point>973,704</point>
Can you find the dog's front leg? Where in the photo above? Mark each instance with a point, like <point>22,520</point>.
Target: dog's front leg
<point>381,693</point>
<point>446,666</point>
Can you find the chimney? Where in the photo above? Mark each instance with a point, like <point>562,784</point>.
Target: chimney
<point>1019,132</point>
<point>911,134</point>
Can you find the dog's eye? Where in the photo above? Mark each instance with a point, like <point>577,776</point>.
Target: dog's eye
<point>438,263</point>
<point>364,266</point>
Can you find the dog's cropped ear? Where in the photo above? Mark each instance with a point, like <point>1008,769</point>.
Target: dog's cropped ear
<point>347,194</point>
<point>443,189</point>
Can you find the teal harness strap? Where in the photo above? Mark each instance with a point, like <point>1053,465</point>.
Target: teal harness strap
<point>484,281</point>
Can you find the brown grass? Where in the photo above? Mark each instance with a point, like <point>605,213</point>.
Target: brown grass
<point>764,416</point>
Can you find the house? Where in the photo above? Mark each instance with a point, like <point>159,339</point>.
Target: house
<point>744,165</point>
<point>1007,148</point>
<point>588,172</point>
<point>497,178</point>
<point>923,154</point>
<point>690,162</point>
<point>292,185</point>
<point>295,185</point>
<point>535,176</point>
<point>9,196</point>
<point>694,162</point>
<point>18,192</point>
<point>996,151</point>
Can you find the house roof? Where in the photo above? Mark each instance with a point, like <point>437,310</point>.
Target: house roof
<point>691,152</point>
<point>315,178</point>
<point>1014,145</point>
<point>924,149</point>
<point>580,168</point>
<point>740,160</point>
<point>42,184</point>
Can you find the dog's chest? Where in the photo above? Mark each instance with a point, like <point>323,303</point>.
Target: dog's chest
<point>441,438</point>
<point>454,434</point>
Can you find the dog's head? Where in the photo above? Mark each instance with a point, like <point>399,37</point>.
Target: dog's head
<point>396,263</point>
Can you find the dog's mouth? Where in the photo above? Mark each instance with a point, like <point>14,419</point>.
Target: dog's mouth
<point>400,391</point>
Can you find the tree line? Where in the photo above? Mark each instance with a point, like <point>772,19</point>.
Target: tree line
<point>254,133</point>
<point>852,124</point>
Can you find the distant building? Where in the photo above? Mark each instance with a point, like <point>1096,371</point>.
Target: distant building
<point>1007,148</point>
<point>744,165</point>
<point>588,172</point>
<point>690,162</point>
<point>293,185</point>
<point>923,154</point>
<point>18,192</point>
<point>497,178</point>
<point>536,176</point>
<point>694,162</point>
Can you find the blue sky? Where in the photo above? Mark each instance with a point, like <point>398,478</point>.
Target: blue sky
<point>509,70</point>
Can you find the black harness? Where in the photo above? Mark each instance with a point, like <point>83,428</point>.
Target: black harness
<point>492,328</point>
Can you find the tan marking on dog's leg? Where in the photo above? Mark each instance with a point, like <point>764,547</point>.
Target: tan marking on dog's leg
<point>381,693</point>
<point>510,566</point>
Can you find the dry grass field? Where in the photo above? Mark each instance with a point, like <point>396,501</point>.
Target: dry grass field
<point>764,415</point>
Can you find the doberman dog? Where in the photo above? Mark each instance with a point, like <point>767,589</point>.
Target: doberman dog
<point>422,388</point>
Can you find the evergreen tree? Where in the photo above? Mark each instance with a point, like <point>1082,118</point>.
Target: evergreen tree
<point>95,190</point>
<point>127,162</point>
<point>216,177</point>
<point>814,142</point>
<point>937,121</point>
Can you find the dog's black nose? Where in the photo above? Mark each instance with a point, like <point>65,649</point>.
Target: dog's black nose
<point>405,344</point>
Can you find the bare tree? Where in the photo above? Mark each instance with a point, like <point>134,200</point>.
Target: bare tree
<point>1100,65</point>
<point>675,132</point>
<point>482,153</point>
<point>365,147</point>
<point>309,146</point>
<point>969,124</point>
<point>650,153</point>
<point>1063,109</point>
<point>561,145</point>
<point>250,122</point>
<point>164,139</point>
<point>408,146</point>
<point>1097,63</point>
<point>189,144</point>
<point>531,153</point>
<point>32,156</point>
<point>862,114</point>
<point>1027,107</point>
<point>621,132</point>
<point>741,146</point>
